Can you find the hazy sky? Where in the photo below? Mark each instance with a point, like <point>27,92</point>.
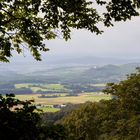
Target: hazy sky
<point>120,41</point>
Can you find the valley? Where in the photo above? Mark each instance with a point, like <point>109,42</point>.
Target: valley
<point>62,85</point>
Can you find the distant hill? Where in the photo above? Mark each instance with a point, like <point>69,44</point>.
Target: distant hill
<point>110,73</point>
<point>69,74</point>
<point>27,65</point>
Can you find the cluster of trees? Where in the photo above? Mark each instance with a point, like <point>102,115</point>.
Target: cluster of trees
<point>14,90</point>
<point>52,118</point>
<point>116,119</point>
<point>78,88</point>
<point>5,85</point>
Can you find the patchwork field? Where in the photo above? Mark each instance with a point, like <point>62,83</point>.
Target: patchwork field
<point>48,95</point>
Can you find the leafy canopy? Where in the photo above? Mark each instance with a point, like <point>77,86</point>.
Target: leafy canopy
<point>26,23</point>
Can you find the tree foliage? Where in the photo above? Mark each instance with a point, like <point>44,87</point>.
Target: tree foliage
<point>19,120</point>
<point>26,23</point>
<point>115,119</point>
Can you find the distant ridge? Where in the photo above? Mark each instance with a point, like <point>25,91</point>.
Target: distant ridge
<point>63,61</point>
<point>67,73</point>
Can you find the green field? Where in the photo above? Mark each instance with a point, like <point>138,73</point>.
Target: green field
<point>41,87</point>
<point>47,109</point>
<point>98,85</point>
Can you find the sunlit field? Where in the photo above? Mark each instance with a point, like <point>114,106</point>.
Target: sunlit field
<point>81,98</point>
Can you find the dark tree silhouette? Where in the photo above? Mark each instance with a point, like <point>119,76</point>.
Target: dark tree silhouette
<point>19,120</point>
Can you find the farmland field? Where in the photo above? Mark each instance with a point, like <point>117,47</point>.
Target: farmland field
<point>81,98</point>
<point>58,94</point>
<point>48,109</point>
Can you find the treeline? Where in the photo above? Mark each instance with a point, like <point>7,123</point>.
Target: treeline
<point>78,88</point>
<point>9,87</point>
<point>15,91</point>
